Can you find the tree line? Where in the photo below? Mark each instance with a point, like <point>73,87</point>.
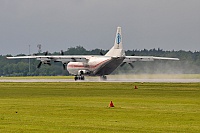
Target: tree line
<point>189,63</point>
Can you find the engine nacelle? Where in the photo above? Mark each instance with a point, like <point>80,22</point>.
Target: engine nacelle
<point>83,72</point>
<point>47,62</point>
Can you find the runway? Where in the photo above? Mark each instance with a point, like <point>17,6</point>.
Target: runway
<point>109,80</point>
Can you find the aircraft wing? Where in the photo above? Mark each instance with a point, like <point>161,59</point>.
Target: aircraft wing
<point>56,58</point>
<point>146,58</point>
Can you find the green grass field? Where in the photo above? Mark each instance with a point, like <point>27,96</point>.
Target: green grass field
<point>83,107</point>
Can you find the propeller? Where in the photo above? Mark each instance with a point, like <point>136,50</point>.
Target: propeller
<point>101,53</point>
<point>130,64</point>
<point>64,66</point>
<point>122,64</point>
<point>46,53</point>
<point>39,65</point>
<point>62,52</point>
<point>48,62</point>
<point>44,62</point>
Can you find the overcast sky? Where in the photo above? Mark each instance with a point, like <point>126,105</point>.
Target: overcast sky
<point>61,24</point>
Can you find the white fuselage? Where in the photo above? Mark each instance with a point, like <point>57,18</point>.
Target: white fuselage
<point>94,66</point>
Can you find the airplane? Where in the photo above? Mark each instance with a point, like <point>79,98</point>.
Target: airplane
<point>94,65</point>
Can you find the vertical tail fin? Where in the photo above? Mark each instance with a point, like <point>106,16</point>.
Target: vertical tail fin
<point>117,49</point>
<point>118,39</point>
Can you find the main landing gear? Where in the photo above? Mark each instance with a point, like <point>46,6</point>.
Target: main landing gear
<point>81,77</point>
<point>103,77</point>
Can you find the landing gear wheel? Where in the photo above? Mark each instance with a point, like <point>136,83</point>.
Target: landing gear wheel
<point>103,77</point>
<point>82,78</point>
<point>76,78</point>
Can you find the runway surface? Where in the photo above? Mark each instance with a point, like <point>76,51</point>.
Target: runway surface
<point>109,80</point>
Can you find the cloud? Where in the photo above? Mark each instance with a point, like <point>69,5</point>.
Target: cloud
<point>60,24</point>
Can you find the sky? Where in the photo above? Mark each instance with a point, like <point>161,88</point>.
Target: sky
<point>61,24</point>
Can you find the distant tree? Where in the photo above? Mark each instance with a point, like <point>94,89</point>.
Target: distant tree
<point>189,63</point>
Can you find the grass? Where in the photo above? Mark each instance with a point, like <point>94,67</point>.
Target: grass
<point>83,107</point>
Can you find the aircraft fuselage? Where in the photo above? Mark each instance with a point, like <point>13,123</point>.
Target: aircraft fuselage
<point>95,66</point>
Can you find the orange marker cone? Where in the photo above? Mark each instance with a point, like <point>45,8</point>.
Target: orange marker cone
<point>135,87</point>
<point>111,104</point>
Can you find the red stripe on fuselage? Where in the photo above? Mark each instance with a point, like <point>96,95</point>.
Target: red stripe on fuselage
<point>89,66</point>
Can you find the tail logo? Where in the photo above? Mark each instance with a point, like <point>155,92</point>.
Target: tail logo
<point>118,39</point>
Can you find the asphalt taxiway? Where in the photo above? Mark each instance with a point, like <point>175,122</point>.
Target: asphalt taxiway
<point>109,80</point>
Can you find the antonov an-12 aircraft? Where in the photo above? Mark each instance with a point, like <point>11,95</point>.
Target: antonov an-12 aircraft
<point>94,65</point>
